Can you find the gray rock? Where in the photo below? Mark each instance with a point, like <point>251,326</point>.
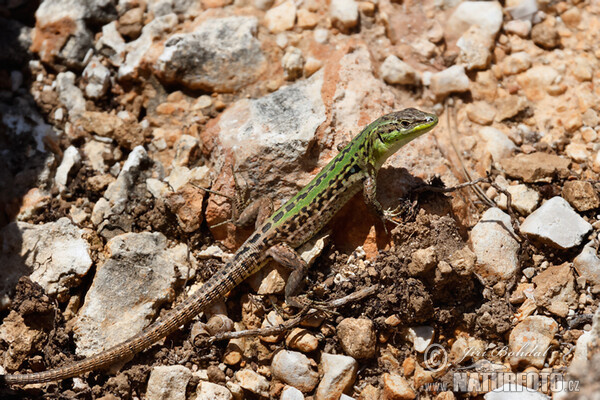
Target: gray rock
<point>294,369</point>
<point>395,71</point>
<point>138,275</point>
<point>212,391</point>
<point>339,374</point>
<point>69,94</point>
<point>168,383</point>
<point>450,80</point>
<point>71,158</point>
<point>587,264</point>
<point>221,54</point>
<point>495,246</point>
<point>55,255</point>
<point>344,14</point>
<point>97,78</point>
<point>556,224</point>
<point>530,339</point>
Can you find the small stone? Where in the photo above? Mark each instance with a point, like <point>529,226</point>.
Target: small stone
<point>421,337</point>
<point>212,391</point>
<point>556,224</point>
<point>518,27</point>
<point>530,340</point>
<point>450,80</point>
<point>301,339</point>
<point>495,246</point>
<point>510,106</point>
<point>582,69</point>
<point>587,264</point>
<point>537,81</point>
<point>396,387</point>
<point>395,71</point>
<point>292,63</point>
<point>523,198</point>
<point>282,17</point>
<point>423,261</point>
<point>357,337</point>
<point>291,393</point>
<point>339,374</point>
<point>69,94</point>
<point>581,195</point>
<point>272,319</point>
<point>97,77</point>
<point>312,65</point>
<point>344,14</point>
<point>424,48</point>
<point>321,35</point>
<point>216,3</point>
<point>536,167</point>
<point>572,121</point>
<point>307,19</point>
<point>554,289</point>
<point>545,36</point>
<point>571,17</point>
<point>590,118</point>
<point>474,48</point>
<point>481,112</point>
<point>71,158</point>
<point>577,152</point>
<point>485,14</point>
<point>294,369</point>
<point>168,382</point>
<point>516,63</point>
<point>131,23</point>
<point>497,144</point>
<point>253,382</point>
<point>367,8</point>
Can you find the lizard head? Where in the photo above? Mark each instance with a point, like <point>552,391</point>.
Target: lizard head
<point>394,130</point>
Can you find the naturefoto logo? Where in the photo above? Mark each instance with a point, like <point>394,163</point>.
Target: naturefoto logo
<point>485,376</point>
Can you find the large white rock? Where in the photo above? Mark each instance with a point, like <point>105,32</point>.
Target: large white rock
<point>168,382</point>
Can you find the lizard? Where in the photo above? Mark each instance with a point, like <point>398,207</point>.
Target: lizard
<point>353,169</point>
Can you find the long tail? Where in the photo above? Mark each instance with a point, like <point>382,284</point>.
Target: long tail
<point>213,289</point>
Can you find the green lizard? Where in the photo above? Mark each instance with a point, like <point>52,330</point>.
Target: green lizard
<point>300,218</point>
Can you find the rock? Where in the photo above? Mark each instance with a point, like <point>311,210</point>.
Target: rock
<point>514,391</point>
<point>97,77</point>
<point>581,195</point>
<point>590,118</point>
<point>253,382</point>
<point>577,151</point>
<point>424,48</point>
<point>450,80</point>
<point>111,45</point>
<point>510,106</point>
<point>523,198</point>
<point>423,261</point>
<point>55,255</point>
<point>131,23</point>
<point>496,143</point>
<point>395,71</point>
<point>523,10</point>
<point>474,48</point>
<point>212,391</point>
<point>138,275</point>
<point>495,246</point>
<point>339,373</point>
<point>556,224</point>
<point>71,158</point>
<point>537,81</point>
<point>536,167</point>
<point>344,14</point>
<point>294,369</point>
<point>545,36</point>
<point>272,319</point>
<point>583,69</point>
<point>421,337</point>
<point>168,383</point>
<point>530,341</point>
<point>555,289</point>
<point>307,19</point>
<point>516,63</point>
<point>396,387</point>
<point>187,204</point>
<point>467,348</point>
<point>485,14</point>
<point>301,339</point>
<point>311,66</point>
<point>282,17</point>
<point>21,340</point>
<point>69,94</point>
<point>292,63</point>
<point>357,337</point>
<point>481,112</point>
<point>291,393</point>
<point>221,54</point>
<point>587,264</point>
<point>519,27</point>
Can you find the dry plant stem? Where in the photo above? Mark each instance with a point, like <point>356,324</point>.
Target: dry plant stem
<point>287,325</point>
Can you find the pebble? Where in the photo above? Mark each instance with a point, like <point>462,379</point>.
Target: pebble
<point>545,36</point>
<point>424,48</point>
<point>344,14</point>
<point>474,48</point>
<point>295,369</point>
<point>581,195</point>
<point>496,143</point>
<point>71,158</point>
<point>536,167</point>
<point>273,318</point>
<point>395,387</point>
<point>321,35</point>
<point>516,63</point>
<point>253,382</point>
<point>357,337</point>
<point>168,383</point>
<point>97,78</point>
<point>587,264</point>
<point>421,337</point>
<point>212,391</point>
<point>450,80</point>
<point>69,94</point>
<point>538,81</point>
<point>530,339</point>
<point>556,224</point>
<point>307,19</point>
<point>481,112</point>
<point>395,71</point>
<point>282,17</point>
<point>423,261</point>
<point>523,198</point>
<point>577,152</point>
<point>302,340</point>
<point>495,246</point>
<point>291,393</point>
<point>554,289</point>
<point>519,27</point>
<point>522,10</point>
<point>485,14</point>
<point>338,375</point>
<point>292,63</point>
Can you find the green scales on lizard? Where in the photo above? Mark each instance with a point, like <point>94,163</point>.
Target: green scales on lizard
<point>353,169</point>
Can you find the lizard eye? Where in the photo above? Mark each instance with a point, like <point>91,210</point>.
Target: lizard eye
<point>404,123</point>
